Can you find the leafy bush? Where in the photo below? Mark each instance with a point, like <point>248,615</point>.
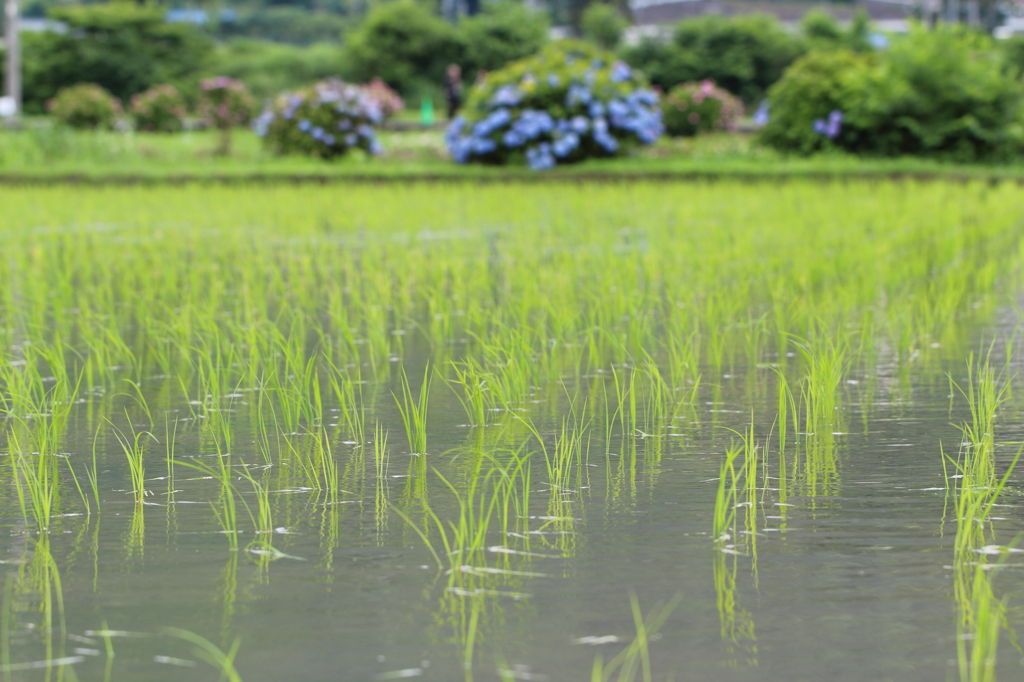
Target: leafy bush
<point>404,44</point>
<point>269,68</point>
<point>570,102</point>
<point>225,102</point>
<point>823,33</point>
<point>386,98</point>
<point>85,106</point>
<point>938,93</point>
<point>744,54</point>
<point>602,24</point>
<point>325,120</point>
<point>694,108</point>
<point>814,86</point>
<point>123,47</point>
<point>294,25</point>
<point>502,33</point>
<point>159,109</point>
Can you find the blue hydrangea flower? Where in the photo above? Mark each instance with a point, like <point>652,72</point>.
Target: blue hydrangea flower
<point>578,95</point>
<point>553,80</point>
<point>506,96</point>
<point>565,145</point>
<point>305,125</point>
<point>830,127</point>
<point>621,72</point>
<point>540,157</point>
<point>483,145</point>
<point>761,115</point>
<point>513,138</point>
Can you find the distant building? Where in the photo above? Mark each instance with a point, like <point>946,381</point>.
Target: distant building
<point>186,15</point>
<point>651,17</point>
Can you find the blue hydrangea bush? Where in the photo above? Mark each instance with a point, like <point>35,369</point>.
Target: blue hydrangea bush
<point>572,101</point>
<point>325,120</point>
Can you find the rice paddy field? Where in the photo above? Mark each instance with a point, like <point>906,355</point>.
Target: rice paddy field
<point>606,432</point>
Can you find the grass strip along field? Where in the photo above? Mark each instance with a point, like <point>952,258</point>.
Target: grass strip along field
<point>48,155</point>
<point>321,341</point>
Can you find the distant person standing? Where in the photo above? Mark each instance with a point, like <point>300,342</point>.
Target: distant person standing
<point>453,89</point>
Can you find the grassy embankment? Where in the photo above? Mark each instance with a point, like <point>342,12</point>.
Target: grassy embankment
<point>46,154</point>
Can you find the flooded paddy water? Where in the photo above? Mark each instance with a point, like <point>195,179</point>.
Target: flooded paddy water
<point>617,432</point>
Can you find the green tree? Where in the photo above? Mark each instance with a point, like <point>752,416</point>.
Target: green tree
<point>404,44</point>
<point>603,24</point>
<point>123,47</point>
<point>823,33</point>
<point>503,32</point>
<point>744,54</point>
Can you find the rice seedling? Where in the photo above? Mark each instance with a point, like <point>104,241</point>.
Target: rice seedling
<point>414,413</point>
<point>134,451</point>
<point>272,333</point>
<point>381,460</point>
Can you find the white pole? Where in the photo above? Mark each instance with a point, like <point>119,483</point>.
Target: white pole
<point>13,50</point>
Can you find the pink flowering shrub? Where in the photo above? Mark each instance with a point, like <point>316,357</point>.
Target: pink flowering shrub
<point>85,106</point>
<point>386,98</point>
<point>225,102</point>
<point>159,109</point>
<point>694,108</point>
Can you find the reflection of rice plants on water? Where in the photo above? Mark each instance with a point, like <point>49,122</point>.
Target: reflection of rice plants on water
<point>264,328</point>
<point>982,616</point>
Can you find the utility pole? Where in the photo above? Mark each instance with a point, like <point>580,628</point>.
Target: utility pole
<point>12,80</point>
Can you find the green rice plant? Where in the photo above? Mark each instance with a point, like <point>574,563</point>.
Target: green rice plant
<point>984,395</point>
<point>134,451</point>
<point>414,412</point>
<point>982,617</point>
<point>224,508</point>
<point>475,396</point>
<point>37,485</point>
<point>349,399</point>
<point>381,460</point>
<point>723,524</point>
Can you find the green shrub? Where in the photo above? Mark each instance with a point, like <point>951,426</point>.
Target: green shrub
<point>744,54</point>
<point>502,33</point>
<point>269,68</point>
<point>694,108</point>
<point>159,109</point>
<point>822,33</point>
<point>404,44</point>
<point>602,24</point>
<point>939,93</point>
<point>570,102</point>
<point>124,47</point>
<point>325,120</point>
<point>85,106</point>
<point>814,86</point>
<point>293,25</point>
